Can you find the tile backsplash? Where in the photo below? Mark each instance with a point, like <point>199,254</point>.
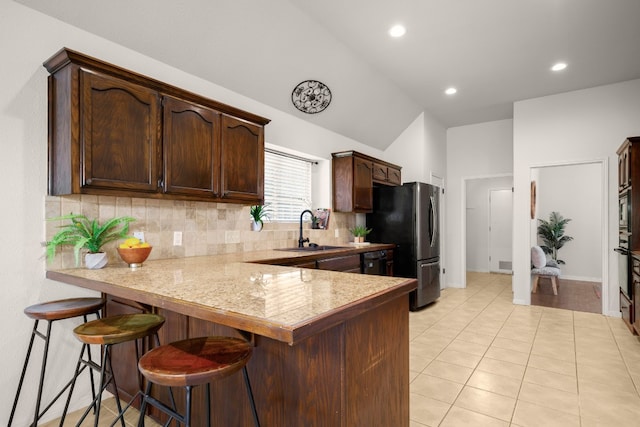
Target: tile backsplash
<point>207,228</point>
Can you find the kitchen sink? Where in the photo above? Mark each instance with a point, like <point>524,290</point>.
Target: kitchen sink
<point>313,248</point>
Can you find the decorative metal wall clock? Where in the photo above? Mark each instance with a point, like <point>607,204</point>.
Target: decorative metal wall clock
<point>311,96</point>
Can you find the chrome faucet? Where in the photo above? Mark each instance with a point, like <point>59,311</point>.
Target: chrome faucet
<point>301,240</point>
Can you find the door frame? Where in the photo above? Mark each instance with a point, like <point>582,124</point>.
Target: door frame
<point>605,249</point>
<point>463,234</point>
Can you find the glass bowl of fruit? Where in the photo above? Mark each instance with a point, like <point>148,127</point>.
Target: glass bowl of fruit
<point>134,252</point>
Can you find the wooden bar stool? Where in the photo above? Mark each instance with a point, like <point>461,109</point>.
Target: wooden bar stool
<point>193,362</point>
<point>52,311</point>
<point>108,332</point>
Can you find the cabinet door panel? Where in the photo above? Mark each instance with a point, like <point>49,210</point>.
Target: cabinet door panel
<point>242,151</point>
<point>191,148</point>
<point>119,134</point>
<point>363,185</point>
<point>394,176</point>
<point>380,172</point>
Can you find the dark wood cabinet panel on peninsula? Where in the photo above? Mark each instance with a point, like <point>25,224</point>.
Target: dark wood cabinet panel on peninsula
<point>116,132</point>
<point>355,373</point>
<point>354,175</point>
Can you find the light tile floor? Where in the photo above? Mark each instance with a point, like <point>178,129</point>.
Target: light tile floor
<point>478,360</point>
<point>108,413</point>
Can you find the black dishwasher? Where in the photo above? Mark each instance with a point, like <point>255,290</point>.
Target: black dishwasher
<point>374,262</point>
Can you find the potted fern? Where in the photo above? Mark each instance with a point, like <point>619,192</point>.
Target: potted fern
<point>85,233</point>
<point>552,234</point>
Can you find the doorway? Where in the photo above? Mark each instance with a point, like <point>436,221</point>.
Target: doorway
<point>478,241</point>
<point>575,191</point>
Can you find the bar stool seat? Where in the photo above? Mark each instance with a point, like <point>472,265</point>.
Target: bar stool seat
<point>119,329</point>
<point>193,362</point>
<point>107,332</point>
<point>52,311</point>
<point>64,309</point>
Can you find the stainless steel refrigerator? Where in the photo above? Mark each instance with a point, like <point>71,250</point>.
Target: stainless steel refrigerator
<point>407,215</point>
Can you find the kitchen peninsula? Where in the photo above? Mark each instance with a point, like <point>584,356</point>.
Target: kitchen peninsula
<point>331,348</point>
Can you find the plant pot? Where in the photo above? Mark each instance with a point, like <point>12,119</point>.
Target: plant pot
<point>95,261</point>
<point>256,225</point>
<point>358,239</point>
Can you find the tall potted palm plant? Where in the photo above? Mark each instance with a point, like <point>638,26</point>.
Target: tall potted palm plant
<point>552,234</point>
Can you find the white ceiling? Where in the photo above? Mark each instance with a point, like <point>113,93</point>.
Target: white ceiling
<point>495,52</point>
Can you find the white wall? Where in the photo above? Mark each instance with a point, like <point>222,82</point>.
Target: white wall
<point>477,220</point>
<point>28,38</point>
<point>576,193</point>
<point>474,151</point>
<point>420,150</point>
<point>583,125</point>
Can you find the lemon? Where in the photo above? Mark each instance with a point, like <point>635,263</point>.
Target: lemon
<point>145,245</point>
<point>131,242</point>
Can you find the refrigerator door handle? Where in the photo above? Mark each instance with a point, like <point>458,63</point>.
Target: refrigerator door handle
<point>434,221</point>
<point>429,264</point>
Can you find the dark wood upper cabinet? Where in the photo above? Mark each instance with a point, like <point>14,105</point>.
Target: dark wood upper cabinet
<point>354,175</point>
<point>191,143</point>
<point>119,133</point>
<point>624,164</point>
<point>242,149</point>
<point>362,185</point>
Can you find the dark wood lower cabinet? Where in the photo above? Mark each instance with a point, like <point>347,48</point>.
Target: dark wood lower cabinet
<point>355,373</point>
<point>345,263</point>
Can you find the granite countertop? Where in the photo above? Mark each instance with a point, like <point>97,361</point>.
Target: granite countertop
<point>283,303</point>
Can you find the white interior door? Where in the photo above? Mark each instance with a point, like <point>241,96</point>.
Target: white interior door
<point>500,230</point>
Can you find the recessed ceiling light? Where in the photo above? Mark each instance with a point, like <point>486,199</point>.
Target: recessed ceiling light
<point>451,91</point>
<point>397,31</point>
<point>559,66</point>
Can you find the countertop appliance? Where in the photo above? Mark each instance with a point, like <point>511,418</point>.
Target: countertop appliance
<point>407,216</point>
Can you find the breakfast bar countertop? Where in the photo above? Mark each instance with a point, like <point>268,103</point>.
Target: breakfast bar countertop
<point>242,291</point>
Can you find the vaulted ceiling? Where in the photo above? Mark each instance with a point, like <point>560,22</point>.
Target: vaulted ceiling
<point>495,52</point>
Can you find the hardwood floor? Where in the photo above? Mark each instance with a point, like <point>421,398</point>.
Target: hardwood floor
<point>572,295</point>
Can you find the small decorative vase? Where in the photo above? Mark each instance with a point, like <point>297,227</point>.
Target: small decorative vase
<point>95,261</point>
<point>256,225</point>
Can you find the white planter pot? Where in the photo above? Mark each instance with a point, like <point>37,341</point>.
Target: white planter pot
<point>256,226</point>
<point>95,261</point>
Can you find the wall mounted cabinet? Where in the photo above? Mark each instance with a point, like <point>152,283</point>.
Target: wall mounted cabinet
<point>354,175</point>
<point>115,132</point>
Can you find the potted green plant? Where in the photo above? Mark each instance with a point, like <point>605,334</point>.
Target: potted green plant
<point>85,233</point>
<point>258,214</point>
<point>552,234</point>
<point>359,232</point>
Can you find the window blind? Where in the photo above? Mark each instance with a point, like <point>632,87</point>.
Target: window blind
<point>287,186</point>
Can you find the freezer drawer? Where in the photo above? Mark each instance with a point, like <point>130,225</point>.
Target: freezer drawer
<point>428,283</point>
